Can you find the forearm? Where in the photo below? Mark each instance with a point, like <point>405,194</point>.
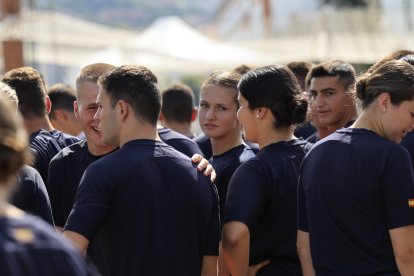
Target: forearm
<point>236,244</point>
<point>303,247</point>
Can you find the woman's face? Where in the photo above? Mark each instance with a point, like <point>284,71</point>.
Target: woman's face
<point>247,119</point>
<point>217,113</point>
<point>398,120</point>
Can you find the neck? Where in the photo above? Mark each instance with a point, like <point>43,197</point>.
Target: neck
<point>351,115</point>
<point>221,145</point>
<point>322,132</point>
<point>138,131</point>
<point>367,120</point>
<point>34,124</point>
<point>100,150</point>
<point>183,128</point>
<point>275,135</point>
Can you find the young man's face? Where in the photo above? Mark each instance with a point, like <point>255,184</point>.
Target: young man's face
<point>106,117</point>
<point>333,103</point>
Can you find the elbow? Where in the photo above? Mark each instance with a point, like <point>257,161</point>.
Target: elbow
<point>232,237</point>
<point>405,258</point>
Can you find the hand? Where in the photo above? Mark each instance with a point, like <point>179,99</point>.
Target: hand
<point>204,166</point>
<point>253,269</point>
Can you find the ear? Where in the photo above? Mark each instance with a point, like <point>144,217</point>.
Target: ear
<point>76,109</point>
<point>383,101</point>
<point>261,112</point>
<point>48,104</point>
<point>193,114</point>
<point>122,109</point>
<point>161,117</point>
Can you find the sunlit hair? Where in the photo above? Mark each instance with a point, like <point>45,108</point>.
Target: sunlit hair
<point>393,77</point>
<point>225,79</point>
<point>13,140</point>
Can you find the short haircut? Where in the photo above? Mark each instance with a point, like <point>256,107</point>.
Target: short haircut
<point>9,93</point>
<point>30,89</point>
<point>137,86</point>
<point>394,77</point>
<point>243,68</point>
<point>333,68</point>
<point>62,96</point>
<point>178,103</point>
<point>92,72</point>
<point>300,69</point>
<point>395,55</point>
<point>276,88</point>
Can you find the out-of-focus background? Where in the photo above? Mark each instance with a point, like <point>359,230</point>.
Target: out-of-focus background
<point>184,40</point>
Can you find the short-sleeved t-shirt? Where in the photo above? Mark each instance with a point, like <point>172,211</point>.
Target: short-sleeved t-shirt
<point>204,144</point>
<point>225,165</point>
<point>354,187</point>
<point>262,195</point>
<point>65,172</point>
<point>179,142</point>
<point>30,194</point>
<point>408,143</point>
<point>29,246</point>
<point>148,211</point>
<point>45,145</point>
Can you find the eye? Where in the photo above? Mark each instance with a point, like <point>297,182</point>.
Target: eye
<point>203,105</point>
<point>221,108</point>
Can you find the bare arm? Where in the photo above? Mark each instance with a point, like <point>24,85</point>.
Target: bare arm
<point>236,243</point>
<point>79,241</point>
<point>402,240</point>
<point>209,266</point>
<point>303,247</point>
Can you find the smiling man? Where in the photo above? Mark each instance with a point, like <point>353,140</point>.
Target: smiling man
<point>332,92</point>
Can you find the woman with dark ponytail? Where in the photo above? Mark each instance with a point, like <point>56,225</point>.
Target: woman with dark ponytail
<point>260,215</point>
<point>356,187</point>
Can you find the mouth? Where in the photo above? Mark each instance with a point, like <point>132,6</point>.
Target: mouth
<point>209,126</point>
<point>97,130</point>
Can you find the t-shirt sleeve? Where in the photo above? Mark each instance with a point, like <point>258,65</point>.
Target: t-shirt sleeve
<point>213,229</point>
<point>398,189</point>
<point>302,211</point>
<point>246,195</point>
<point>92,202</point>
<point>41,204</point>
<point>55,190</point>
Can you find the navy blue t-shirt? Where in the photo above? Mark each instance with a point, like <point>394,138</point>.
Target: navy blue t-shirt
<point>408,143</point>
<point>204,144</point>
<point>305,130</point>
<point>354,187</point>
<point>225,165</point>
<point>45,145</point>
<point>30,194</point>
<point>262,195</point>
<point>148,211</point>
<point>179,142</point>
<point>29,246</point>
<point>65,172</point>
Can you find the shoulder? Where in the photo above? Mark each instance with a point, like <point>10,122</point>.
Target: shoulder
<point>71,151</point>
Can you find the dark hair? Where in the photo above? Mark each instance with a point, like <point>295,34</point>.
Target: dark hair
<point>275,87</point>
<point>300,69</point>
<point>92,72</point>
<point>224,79</point>
<point>178,103</point>
<point>243,68</point>
<point>391,56</point>
<point>62,96</point>
<point>30,89</point>
<point>409,59</point>
<point>13,140</point>
<point>393,77</point>
<point>333,68</point>
<point>137,86</point>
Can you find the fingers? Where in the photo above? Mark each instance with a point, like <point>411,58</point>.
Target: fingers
<point>255,268</point>
<point>196,158</point>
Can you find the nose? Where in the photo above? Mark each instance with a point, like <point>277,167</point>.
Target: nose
<point>318,100</point>
<point>210,114</point>
<point>98,113</point>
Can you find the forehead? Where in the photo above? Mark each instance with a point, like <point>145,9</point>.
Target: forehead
<point>217,93</point>
<point>87,89</point>
<point>326,82</point>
